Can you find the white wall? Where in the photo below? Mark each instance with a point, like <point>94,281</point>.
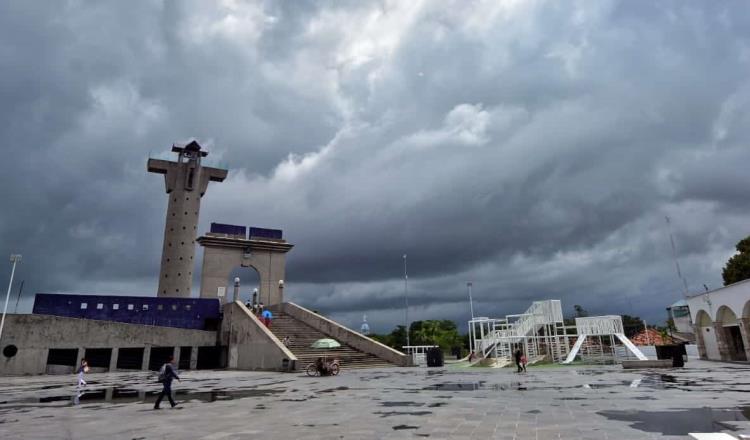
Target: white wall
<point>709,340</point>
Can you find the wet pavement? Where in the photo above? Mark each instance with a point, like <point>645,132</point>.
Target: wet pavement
<point>548,402</point>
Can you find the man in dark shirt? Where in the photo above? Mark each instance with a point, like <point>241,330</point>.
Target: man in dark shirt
<point>517,356</point>
<point>166,375</point>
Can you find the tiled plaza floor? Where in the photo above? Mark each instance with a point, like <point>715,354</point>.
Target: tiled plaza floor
<point>545,403</point>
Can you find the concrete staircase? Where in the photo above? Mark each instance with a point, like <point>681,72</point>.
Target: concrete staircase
<point>302,336</point>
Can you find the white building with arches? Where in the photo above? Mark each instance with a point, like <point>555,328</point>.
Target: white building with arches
<point>721,319</point>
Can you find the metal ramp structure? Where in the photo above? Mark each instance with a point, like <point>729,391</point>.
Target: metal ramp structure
<point>541,334</point>
<point>601,326</point>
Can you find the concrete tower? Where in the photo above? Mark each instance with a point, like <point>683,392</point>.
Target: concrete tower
<point>186,182</point>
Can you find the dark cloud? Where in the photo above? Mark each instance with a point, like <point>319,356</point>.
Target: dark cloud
<point>532,148</point>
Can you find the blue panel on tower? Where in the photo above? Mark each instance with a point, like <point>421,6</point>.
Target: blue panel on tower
<point>220,228</point>
<point>198,314</point>
<point>274,234</point>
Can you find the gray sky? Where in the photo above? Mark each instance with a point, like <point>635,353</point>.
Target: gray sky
<point>533,147</point>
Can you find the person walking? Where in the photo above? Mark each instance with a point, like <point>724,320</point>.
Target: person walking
<point>267,317</point>
<point>166,374</point>
<point>524,361</point>
<point>84,368</point>
<point>517,357</point>
<point>261,309</point>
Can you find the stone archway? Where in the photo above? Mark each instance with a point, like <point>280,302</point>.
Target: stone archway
<point>708,347</point>
<point>249,283</point>
<point>224,251</point>
<point>729,336</point>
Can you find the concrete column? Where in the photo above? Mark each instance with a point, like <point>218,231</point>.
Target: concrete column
<point>698,331</point>
<point>146,357</point>
<point>176,354</point>
<point>81,355</point>
<point>193,358</point>
<point>722,343</point>
<point>745,332</point>
<point>113,359</point>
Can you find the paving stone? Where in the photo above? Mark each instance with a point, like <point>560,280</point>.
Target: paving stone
<point>557,403</point>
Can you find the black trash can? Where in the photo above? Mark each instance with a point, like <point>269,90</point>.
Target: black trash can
<point>434,357</point>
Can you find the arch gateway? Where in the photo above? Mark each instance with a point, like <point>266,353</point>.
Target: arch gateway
<point>228,246</point>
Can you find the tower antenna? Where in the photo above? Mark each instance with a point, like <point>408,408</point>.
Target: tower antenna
<point>674,257</point>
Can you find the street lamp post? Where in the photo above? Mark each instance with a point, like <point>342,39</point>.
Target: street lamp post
<point>471,303</point>
<point>406,298</point>
<point>14,258</point>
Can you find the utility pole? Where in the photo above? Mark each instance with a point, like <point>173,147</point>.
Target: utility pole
<point>18,298</point>
<point>406,298</point>
<point>14,258</point>
<point>674,256</point>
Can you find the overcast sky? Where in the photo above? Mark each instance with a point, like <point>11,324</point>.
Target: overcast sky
<point>532,147</point>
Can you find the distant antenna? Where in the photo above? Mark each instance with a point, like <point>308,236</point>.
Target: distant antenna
<point>674,256</point>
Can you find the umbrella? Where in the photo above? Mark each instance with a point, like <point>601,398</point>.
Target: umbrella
<point>325,343</point>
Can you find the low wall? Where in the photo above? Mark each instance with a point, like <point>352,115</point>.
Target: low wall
<point>251,345</point>
<point>34,335</point>
<point>663,363</point>
<point>345,335</point>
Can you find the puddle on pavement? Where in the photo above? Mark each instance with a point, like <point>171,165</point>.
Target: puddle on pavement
<point>400,427</point>
<point>390,404</point>
<point>682,421</point>
<point>384,414</point>
<point>456,386</point>
<point>117,395</point>
<point>475,386</point>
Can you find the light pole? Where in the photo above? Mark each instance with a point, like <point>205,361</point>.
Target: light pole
<point>406,298</point>
<point>471,303</point>
<point>14,258</point>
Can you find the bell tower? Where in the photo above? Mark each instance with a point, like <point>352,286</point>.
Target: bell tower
<point>186,181</point>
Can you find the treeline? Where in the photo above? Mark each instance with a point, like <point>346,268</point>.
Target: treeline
<point>443,333</point>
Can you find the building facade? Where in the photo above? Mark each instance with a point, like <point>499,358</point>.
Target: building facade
<point>721,322</point>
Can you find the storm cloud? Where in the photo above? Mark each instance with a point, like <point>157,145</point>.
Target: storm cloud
<point>532,147</point>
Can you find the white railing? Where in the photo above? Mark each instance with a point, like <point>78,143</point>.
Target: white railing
<point>418,353</point>
<point>599,325</point>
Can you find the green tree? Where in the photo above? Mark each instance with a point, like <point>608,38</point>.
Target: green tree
<point>580,311</point>
<point>632,325</point>
<point>738,266</point>
<point>443,333</point>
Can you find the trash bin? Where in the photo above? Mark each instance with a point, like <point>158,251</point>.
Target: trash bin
<point>434,357</point>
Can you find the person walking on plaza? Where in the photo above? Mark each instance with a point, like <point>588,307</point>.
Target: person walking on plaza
<point>517,357</point>
<point>267,317</point>
<point>84,368</point>
<point>166,374</point>
<point>524,361</point>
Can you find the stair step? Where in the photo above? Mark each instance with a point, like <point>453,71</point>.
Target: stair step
<point>302,336</point>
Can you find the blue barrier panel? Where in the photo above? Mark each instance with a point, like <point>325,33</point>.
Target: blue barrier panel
<point>220,228</point>
<point>198,313</point>
<point>274,234</point>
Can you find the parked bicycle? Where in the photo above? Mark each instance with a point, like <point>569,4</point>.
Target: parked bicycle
<point>322,367</point>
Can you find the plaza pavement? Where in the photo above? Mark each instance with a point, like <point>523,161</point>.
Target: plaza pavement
<point>548,402</point>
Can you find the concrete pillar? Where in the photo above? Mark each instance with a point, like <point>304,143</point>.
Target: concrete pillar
<point>146,357</point>
<point>698,331</point>
<point>113,359</point>
<point>721,341</point>
<point>745,332</point>
<point>193,358</point>
<point>81,355</point>
<point>176,354</point>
